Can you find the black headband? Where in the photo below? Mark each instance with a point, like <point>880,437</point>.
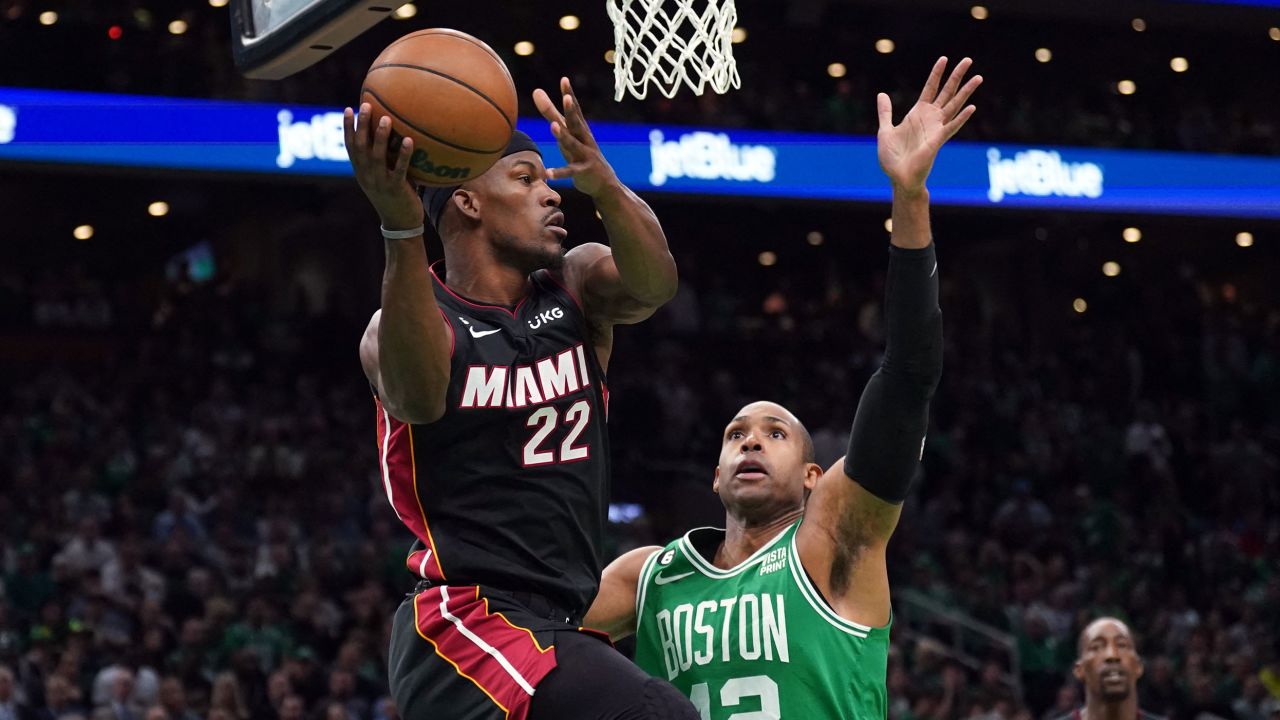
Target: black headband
<point>434,198</point>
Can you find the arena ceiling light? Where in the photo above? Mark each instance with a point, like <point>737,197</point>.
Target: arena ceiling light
<point>218,3</point>
<point>609,55</point>
<point>177,27</point>
<point>48,17</point>
<point>1138,25</point>
<point>405,11</point>
<point>1126,87</point>
<point>1111,268</point>
<point>814,238</point>
<point>570,22</point>
<point>524,48</point>
<point>1274,33</point>
<point>159,208</point>
<point>1079,305</point>
<point>1179,64</point>
<point>979,12</point>
<point>82,232</point>
<point>884,46</point>
<point>768,258</point>
<point>1244,239</point>
<point>738,36</point>
<point>837,70</point>
<point>1044,55</point>
<point>1131,234</point>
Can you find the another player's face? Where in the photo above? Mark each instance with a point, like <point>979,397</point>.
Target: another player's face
<point>763,472</point>
<point>522,213</point>
<point>1109,665</point>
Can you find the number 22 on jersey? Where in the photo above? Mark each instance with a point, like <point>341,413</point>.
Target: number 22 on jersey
<point>545,420</point>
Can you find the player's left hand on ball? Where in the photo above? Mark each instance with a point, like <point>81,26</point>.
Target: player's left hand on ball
<point>585,163</point>
<point>907,150</point>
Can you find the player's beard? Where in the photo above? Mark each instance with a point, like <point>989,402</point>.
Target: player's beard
<point>530,255</point>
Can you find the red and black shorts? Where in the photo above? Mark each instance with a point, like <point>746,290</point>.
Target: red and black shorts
<point>473,653</point>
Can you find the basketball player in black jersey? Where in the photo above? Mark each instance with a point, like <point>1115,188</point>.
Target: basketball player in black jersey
<point>489,379</point>
<point>1108,665</point>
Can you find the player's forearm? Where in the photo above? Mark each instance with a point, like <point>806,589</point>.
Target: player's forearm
<point>911,228</point>
<point>413,343</point>
<point>645,266</point>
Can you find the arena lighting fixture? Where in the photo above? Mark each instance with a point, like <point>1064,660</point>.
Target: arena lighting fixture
<point>177,27</point>
<point>814,238</point>
<point>837,70</point>
<point>1044,55</point>
<point>570,22</point>
<point>884,46</point>
<point>1079,305</point>
<point>768,258</point>
<point>48,17</point>
<point>1131,234</point>
<point>978,12</point>
<point>888,225</point>
<point>524,48</point>
<point>405,11</point>
<point>218,3</point>
<point>159,208</point>
<point>738,36</point>
<point>608,56</point>
<point>115,32</point>
<point>1111,268</point>
<point>82,232</point>
<point>1179,64</point>
<point>1126,87</point>
<point>1244,239</point>
<point>1274,33</point>
<point>1138,25</point>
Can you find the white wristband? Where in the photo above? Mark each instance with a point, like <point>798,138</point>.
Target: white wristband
<point>403,234</point>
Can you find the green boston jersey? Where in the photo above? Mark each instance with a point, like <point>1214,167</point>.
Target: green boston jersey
<point>757,641</point>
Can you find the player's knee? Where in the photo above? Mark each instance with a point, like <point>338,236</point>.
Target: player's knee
<point>664,702</point>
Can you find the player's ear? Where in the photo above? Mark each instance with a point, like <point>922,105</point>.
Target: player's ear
<point>1142,667</point>
<point>1077,671</point>
<point>812,474</point>
<point>715,484</point>
<point>467,202</point>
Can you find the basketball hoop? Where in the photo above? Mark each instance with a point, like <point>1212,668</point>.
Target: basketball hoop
<point>667,43</point>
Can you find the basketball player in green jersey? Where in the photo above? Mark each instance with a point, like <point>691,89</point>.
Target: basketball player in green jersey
<point>784,615</point>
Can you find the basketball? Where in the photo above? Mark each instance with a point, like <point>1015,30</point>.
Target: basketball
<point>452,94</point>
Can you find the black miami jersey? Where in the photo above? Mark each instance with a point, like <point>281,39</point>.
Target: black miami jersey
<point>509,488</point>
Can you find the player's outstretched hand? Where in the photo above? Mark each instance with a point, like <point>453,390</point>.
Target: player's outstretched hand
<point>384,180</point>
<point>907,150</point>
<point>591,173</point>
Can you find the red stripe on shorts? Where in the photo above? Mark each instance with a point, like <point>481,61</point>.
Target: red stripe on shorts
<point>502,659</point>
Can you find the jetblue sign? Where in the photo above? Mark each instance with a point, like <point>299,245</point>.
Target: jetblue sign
<point>120,130</point>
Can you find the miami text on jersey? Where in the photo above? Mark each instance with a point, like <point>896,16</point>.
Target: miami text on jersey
<point>499,386</point>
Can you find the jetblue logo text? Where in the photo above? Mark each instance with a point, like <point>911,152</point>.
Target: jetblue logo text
<point>709,156</point>
<point>497,386</point>
<point>317,138</point>
<point>546,317</point>
<point>1040,173</point>
<point>8,123</point>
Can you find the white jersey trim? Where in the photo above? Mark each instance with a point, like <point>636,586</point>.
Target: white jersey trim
<point>706,568</point>
<point>815,600</point>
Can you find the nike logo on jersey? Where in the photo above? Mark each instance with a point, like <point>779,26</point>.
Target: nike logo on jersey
<point>659,580</point>
<point>478,333</point>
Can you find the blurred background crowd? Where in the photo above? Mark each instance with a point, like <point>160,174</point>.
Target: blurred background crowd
<point>192,523</point>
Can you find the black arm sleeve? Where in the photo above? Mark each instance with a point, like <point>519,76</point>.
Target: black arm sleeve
<point>888,431</point>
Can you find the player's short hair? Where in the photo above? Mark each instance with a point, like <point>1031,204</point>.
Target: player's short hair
<point>1080,639</point>
<point>806,441</point>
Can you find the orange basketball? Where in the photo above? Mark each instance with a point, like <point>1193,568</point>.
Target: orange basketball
<point>452,94</point>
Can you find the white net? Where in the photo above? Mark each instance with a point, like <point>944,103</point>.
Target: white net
<point>667,43</point>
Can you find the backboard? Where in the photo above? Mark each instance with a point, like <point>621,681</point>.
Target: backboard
<point>273,39</point>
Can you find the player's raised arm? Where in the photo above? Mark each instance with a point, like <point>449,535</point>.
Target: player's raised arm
<point>856,505</point>
<point>626,282</point>
<point>614,609</point>
<point>405,350</point>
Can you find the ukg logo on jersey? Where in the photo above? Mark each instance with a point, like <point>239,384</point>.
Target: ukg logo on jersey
<point>709,156</point>
<point>316,138</point>
<point>1041,173</point>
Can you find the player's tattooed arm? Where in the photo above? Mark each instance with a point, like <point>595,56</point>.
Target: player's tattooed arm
<point>626,282</point>
<point>405,349</point>
<point>856,506</point>
<point>614,608</point>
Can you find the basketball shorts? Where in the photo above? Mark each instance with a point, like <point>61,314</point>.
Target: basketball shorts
<point>476,653</point>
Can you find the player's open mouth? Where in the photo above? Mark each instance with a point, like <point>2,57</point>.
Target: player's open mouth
<point>1113,676</point>
<point>751,470</point>
<point>556,224</point>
